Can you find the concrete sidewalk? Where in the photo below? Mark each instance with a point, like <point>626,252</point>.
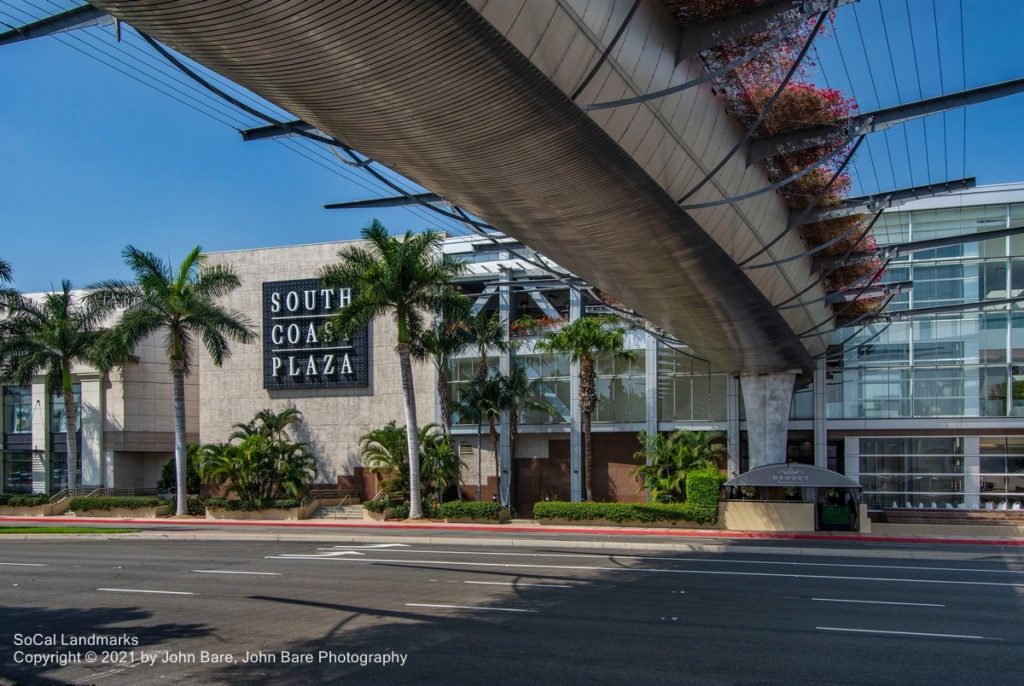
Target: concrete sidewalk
<point>522,528</point>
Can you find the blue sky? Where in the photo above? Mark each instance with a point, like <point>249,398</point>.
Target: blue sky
<point>94,160</point>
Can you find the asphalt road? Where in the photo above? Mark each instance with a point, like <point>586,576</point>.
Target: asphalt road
<point>307,612</point>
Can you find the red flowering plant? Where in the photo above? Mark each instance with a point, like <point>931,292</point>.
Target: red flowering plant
<point>857,273</point>
<point>692,11</point>
<point>847,230</point>
<point>801,192</point>
<point>529,326</point>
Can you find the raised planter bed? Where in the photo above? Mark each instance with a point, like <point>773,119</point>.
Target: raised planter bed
<point>371,516</point>
<point>273,514</point>
<point>45,510</point>
<point>125,512</point>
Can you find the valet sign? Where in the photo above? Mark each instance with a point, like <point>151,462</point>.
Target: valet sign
<point>296,352</point>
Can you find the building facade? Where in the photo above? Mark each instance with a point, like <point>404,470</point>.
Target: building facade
<point>125,429</point>
<point>925,413</point>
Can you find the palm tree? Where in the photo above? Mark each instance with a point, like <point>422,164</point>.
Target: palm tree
<point>404,277</point>
<point>6,276</point>
<point>518,392</point>
<point>667,459</point>
<point>583,340</point>
<point>446,338</point>
<point>48,338</point>
<point>385,452</point>
<point>487,332</point>
<point>182,304</point>
<point>269,424</point>
<point>483,401</point>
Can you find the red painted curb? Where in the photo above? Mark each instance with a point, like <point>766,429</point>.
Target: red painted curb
<point>508,528</point>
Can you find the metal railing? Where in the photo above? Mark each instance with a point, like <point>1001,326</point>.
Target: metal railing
<point>89,492</point>
<point>324,493</point>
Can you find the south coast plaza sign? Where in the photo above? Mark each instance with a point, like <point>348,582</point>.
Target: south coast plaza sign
<point>295,354</point>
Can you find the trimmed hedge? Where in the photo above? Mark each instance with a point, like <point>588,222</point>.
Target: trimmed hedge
<point>111,502</point>
<point>626,512</point>
<point>703,487</point>
<point>248,505</point>
<point>23,500</point>
<point>470,509</point>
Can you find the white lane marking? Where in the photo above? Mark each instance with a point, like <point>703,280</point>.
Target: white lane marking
<point>335,553</point>
<point>23,564</point>
<point>905,633</point>
<point>232,571</point>
<point>469,607</point>
<point>372,545</point>
<point>876,602</point>
<point>517,585</point>
<point>650,570</point>
<point>718,560</point>
<point>142,590</point>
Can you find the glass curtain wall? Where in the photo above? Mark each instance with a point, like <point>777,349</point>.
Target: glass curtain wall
<point>967,364</point>
<point>687,392</point>
<point>1002,472</point>
<point>917,473</point>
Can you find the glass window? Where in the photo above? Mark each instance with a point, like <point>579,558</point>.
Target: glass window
<point>17,472</point>
<point>992,391</point>
<point>550,400</point>
<point>621,388</point>
<point>58,418</point>
<point>17,409</point>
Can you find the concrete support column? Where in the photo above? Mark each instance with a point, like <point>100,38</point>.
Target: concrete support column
<point>40,438</point>
<point>972,472</point>
<point>767,398</point>
<point>505,366</point>
<point>576,426</point>
<point>820,408</point>
<point>93,471</point>
<point>651,397</point>
<point>732,419</point>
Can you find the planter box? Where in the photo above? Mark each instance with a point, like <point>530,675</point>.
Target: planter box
<point>125,512</point>
<point>503,518</point>
<point>757,515</point>
<point>679,524</point>
<point>275,514</point>
<point>44,510</point>
<point>388,513</point>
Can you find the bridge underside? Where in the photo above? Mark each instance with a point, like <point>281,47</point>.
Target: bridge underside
<point>433,91</point>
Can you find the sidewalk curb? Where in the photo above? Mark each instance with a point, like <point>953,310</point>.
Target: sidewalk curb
<point>538,529</point>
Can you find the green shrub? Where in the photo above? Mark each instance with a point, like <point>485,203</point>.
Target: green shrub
<point>249,505</point>
<point>469,509</point>
<point>196,505</point>
<point>169,478</point>
<point>376,505</point>
<point>703,487</point>
<point>23,500</point>
<point>625,512</point>
<point>110,502</point>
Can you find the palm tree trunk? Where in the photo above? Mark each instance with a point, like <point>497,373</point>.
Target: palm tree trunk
<point>180,449</point>
<point>479,462</point>
<point>587,457</point>
<point>412,431</point>
<point>71,432</point>
<point>444,398</point>
<point>497,458</point>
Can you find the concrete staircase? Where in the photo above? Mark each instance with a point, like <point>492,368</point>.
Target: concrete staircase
<point>347,512</point>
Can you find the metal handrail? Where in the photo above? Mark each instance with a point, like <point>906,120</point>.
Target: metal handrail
<point>322,493</point>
